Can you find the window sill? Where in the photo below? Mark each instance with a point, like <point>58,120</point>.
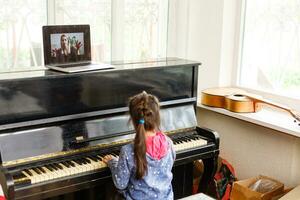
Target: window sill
<point>267,117</point>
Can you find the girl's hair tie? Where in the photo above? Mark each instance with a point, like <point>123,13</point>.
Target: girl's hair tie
<point>141,121</point>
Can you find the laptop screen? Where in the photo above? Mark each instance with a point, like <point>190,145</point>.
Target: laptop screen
<point>66,43</point>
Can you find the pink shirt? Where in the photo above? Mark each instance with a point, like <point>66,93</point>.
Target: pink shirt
<point>157,145</point>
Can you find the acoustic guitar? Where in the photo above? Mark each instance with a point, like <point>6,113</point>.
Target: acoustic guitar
<point>238,100</point>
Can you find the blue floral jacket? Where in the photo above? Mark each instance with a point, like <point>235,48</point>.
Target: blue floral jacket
<point>156,184</point>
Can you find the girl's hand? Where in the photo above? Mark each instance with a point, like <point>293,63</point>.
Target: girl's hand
<point>107,158</point>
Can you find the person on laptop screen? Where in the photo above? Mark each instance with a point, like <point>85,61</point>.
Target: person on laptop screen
<point>67,48</point>
<point>70,48</point>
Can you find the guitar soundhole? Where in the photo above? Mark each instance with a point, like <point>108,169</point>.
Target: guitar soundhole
<point>238,95</point>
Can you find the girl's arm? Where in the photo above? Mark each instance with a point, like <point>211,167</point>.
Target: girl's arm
<point>173,151</point>
<point>120,170</point>
<point>172,148</point>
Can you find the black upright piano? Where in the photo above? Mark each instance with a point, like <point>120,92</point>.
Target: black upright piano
<point>55,128</point>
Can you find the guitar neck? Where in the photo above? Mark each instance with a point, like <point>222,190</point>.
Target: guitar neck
<point>264,101</point>
<point>283,107</point>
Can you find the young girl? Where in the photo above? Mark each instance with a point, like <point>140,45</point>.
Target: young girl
<point>143,169</point>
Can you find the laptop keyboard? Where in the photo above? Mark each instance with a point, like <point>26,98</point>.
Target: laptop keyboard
<point>67,65</point>
<point>80,67</point>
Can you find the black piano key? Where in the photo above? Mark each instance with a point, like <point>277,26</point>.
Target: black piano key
<point>20,178</point>
<point>66,164</point>
<point>77,161</point>
<point>81,161</point>
<point>58,166</point>
<point>114,154</point>
<point>197,137</point>
<point>94,158</point>
<point>36,170</point>
<point>50,168</point>
<point>188,139</point>
<point>54,167</point>
<point>41,169</point>
<point>99,159</point>
<point>63,165</point>
<point>179,142</point>
<point>176,140</point>
<point>193,137</point>
<point>100,156</point>
<point>183,139</point>
<point>86,160</point>
<point>28,172</point>
<point>70,163</point>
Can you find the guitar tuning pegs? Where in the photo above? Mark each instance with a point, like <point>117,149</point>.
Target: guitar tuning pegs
<point>296,122</point>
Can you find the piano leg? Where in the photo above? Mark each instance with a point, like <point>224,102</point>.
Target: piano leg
<point>210,167</point>
<point>112,192</point>
<point>182,180</point>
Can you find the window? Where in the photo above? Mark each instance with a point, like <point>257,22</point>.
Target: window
<point>270,57</point>
<point>20,33</point>
<point>96,13</point>
<point>145,28</point>
<point>120,29</point>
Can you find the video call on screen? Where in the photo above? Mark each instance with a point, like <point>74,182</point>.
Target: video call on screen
<point>66,47</point>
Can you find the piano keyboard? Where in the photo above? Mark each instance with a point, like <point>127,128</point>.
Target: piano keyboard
<point>89,163</point>
<point>188,142</point>
<point>62,169</point>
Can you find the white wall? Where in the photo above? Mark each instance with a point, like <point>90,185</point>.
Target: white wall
<point>254,149</point>
<point>208,31</point>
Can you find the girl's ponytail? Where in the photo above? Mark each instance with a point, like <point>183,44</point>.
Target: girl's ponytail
<point>144,113</point>
<point>140,150</point>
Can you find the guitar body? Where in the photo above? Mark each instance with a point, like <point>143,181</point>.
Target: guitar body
<point>241,104</point>
<point>232,99</point>
<point>237,100</point>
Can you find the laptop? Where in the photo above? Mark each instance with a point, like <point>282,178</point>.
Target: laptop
<point>67,48</point>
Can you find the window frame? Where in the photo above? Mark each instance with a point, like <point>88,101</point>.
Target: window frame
<point>50,12</point>
<point>291,102</point>
<point>117,27</point>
